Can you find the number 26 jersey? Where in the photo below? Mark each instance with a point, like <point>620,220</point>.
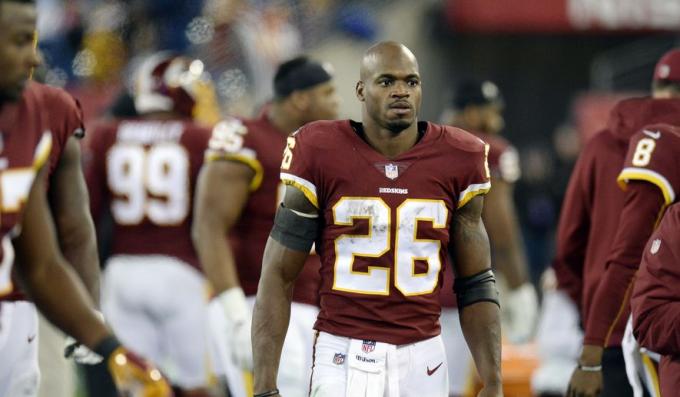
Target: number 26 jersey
<point>385,235</point>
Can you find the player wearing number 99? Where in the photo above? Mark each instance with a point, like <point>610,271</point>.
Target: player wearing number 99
<point>143,171</point>
<point>650,176</point>
<point>385,200</point>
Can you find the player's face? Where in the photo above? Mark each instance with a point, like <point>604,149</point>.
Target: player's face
<point>392,93</point>
<point>18,56</point>
<point>323,103</point>
<point>492,118</point>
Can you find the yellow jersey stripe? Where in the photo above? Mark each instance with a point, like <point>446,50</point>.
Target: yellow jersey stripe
<point>472,191</point>
<point>249,161</point>
<point>42,151</point>
<point>643,174</point>
<point>307,188</point>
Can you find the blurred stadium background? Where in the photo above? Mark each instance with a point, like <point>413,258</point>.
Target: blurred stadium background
<point>560,64</point>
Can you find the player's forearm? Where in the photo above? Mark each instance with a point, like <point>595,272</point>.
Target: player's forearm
<point>656,327</point>
<point>60,296</point>
<point>481,326</point>
<point>642,208</point>
<point>215,255</point>
<point>79,247</point>
<point>270,323</point>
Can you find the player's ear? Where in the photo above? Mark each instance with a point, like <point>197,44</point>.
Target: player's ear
<point>300,100</point>
<point>359,90</point>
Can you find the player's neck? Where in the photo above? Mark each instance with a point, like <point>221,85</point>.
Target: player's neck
<point>389,143</point>
<point>282,119</point>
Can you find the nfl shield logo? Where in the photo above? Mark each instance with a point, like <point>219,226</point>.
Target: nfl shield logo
<point>368,346</point>
<point>338,359</point>
<point>391,171</point>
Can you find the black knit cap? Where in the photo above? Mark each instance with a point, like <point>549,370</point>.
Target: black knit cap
<point>298,74</point>
<point>476,92</point>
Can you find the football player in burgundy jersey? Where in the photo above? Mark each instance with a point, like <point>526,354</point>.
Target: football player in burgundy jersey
<point>384,200</point>
<point>477,107</point>
<point>237,195</point>
<point>650,177</point>
<point>26,227</point>
<point>143,171</point>
<point>66,193</point>
<point>655,298</point>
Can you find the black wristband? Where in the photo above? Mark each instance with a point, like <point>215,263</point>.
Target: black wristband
<point>267,393</point>
<point>107,346</point>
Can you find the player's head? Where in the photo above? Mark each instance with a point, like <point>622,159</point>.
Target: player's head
<point>389,86</point>
<point>166,83</point>
<point>17,46</point>
<point>666,82</point>
<point>307,85</point>
<point>478,106</point>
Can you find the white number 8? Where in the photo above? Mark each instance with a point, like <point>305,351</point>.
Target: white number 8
<point>151,183</point>
<point>643,152</point>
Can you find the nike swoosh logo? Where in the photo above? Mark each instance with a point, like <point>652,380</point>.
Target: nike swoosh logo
<point>653,135</point>
<point>30,338</point>
<point>433,370</point>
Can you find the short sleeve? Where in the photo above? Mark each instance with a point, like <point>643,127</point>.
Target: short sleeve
<point>296,166</point>
<point>652,157</point>
<point>476,178</point>
<point>230,140</point>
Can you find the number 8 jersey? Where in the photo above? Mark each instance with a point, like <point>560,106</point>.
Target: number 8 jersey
<point>384,241</point>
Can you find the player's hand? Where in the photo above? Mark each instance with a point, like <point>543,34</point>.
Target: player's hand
<point>239,321</point>
<point>134,376</point>
<point>80,353</point>
<point>585,384</point>
<point>521,311</point>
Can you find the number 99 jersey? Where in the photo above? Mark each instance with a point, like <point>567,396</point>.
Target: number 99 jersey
<point>654,156</point>
<point>384,244</point>
<point>144,172</point>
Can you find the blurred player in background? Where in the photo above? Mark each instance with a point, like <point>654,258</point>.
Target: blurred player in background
<point>477,107</point>
<point>143,171</point>
<point>237,196</point>
<point>602,231</point>
<point>383,199</point>
<point>27,229</point>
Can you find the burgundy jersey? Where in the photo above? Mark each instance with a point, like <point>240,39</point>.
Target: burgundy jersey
<point>259,144</point>
<point>385,239</point>
<point>25,144</point>
<point>653,165</point>
<point>504,166</point>
<point>655,298</point>
<point>64,118</point>
<point>144,172</point>
<point>592,206</point>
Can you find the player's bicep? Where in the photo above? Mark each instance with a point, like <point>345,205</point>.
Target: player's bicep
<point>69,190</point>
<point>36,246</point>
<point>469,243</point>
<point>222,191</point>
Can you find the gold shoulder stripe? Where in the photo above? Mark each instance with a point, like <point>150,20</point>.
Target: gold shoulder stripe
<point>307,188</point>
<point>472,191</point>
<point>249,161</point>
<point>642,174</point>
<point>42,151</point>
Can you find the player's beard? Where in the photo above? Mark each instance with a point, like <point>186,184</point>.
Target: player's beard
<point>397,126</point>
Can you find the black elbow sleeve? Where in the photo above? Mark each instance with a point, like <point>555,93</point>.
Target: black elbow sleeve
<point>480,287</point>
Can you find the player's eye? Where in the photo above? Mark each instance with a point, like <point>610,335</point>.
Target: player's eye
<point>414,83</point>
<point>385,82</point>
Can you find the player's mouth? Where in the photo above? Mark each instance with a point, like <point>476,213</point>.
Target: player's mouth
<point>401,107</point>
